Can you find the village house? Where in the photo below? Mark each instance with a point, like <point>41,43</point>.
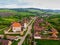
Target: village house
<point>12,37</point>
<point>38,30</point>
<point>5,42</point>
<point>16,26</point>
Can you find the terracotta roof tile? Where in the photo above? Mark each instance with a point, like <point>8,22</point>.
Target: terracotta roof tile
<point>16,24</point>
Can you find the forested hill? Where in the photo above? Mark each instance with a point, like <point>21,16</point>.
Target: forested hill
<point>26,11</point>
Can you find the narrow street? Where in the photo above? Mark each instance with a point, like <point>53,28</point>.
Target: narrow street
<point>28,31</point>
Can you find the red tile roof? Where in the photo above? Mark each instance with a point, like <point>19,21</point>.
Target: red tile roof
<point>16,24</point>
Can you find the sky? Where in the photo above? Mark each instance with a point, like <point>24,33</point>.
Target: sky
<point>42,4</point>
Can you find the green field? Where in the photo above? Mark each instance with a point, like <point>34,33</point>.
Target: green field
<point>47,42</point>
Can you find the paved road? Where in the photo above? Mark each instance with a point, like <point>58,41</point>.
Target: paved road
<point>28,31</point>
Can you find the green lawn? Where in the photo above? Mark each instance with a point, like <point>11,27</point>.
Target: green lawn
<point>2,30</point>
<point>15,42</point>
<point>47,42</point>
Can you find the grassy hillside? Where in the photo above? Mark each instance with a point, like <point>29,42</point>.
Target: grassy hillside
<point>8,16</point>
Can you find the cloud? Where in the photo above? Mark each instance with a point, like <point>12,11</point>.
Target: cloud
<point>45,4</point>
<point>15,6</point>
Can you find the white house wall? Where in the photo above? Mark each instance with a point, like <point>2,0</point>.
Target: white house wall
<point>25,25</point>
<point>16,29</point>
